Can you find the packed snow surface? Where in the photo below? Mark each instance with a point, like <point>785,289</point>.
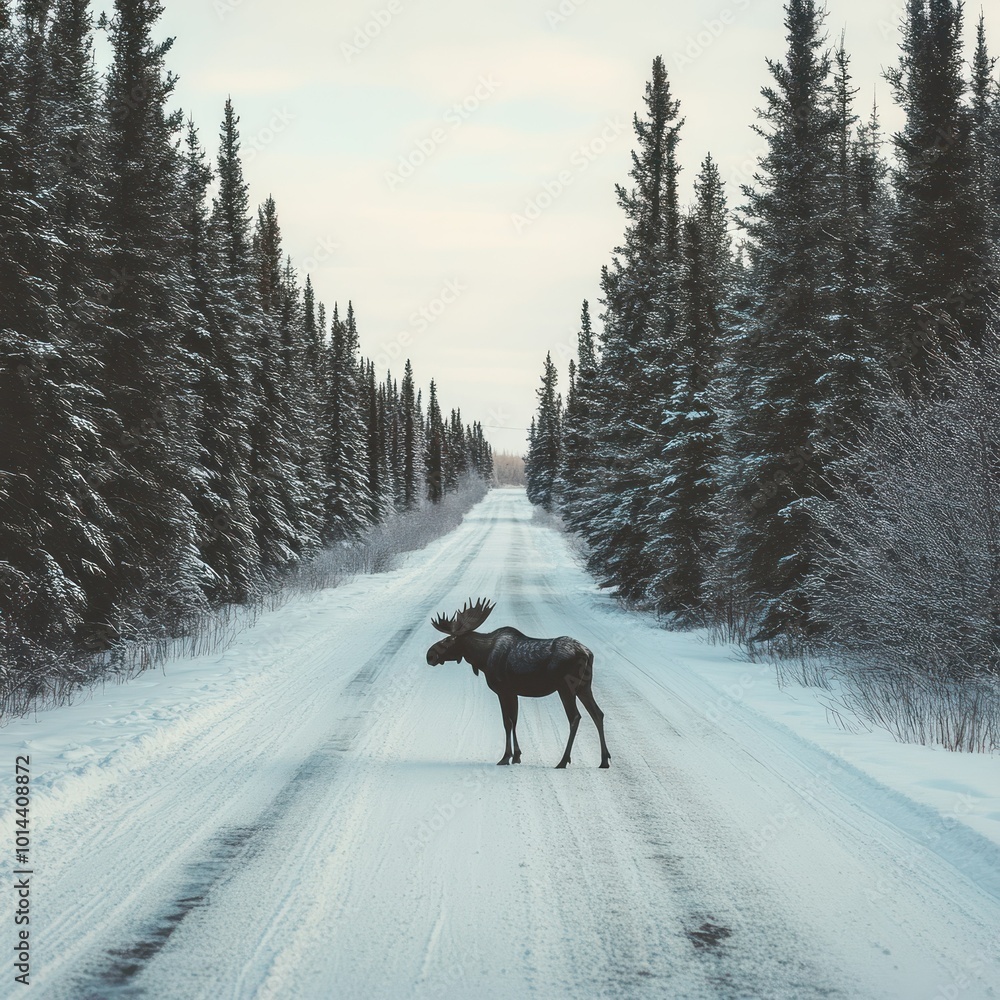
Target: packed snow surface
<point>316,813</point>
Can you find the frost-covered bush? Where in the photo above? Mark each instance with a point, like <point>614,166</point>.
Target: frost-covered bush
<point>908,575</point>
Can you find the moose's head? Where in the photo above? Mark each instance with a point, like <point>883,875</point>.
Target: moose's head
<point>461,624</point>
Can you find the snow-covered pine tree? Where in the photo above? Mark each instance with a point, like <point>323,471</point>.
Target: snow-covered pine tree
<point>412,444</point>
<point>986,142</point>
<point>682,509</point>
<point>542,465</point>
<point>147,377</point>
<point>231,396</point>
<point>79,524</point>
<point>311,367</point>
<point>480,455</point>
<point>857,372</point>
<point>227,543</point>
<point>940,282</point>
<point>576,472</point>
<point>787,343</point>
<point>434,448</point>
<point>347,508</point>
<point>632,384</point>
<point>375,447</point>
<point>457,464</point>
<point>388,428</point>
<point>52,518</point>
<point>273,469</point>
<point>300,414</point>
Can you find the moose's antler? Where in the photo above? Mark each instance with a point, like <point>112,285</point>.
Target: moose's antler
<point>467,620</point>
<point>442,624</point>
<point>471,616</point>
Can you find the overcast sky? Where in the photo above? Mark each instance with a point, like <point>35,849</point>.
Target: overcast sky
<point>449,165</point>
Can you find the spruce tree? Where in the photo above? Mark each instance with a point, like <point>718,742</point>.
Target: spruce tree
<point>147,375</point>
<point>859,353</point>
<point>347,508</point>
<point>789,216</point>
<point>682,528</point>
<point>411,441</point>
<point>226,539</point>
<point>940,279</point>
<point>986,144</point>
<point>299,414</point>
<point>633,381</point>
<point>434,448</point>
<point>54,522</point>
<point>375,447</point>
<point>543,462</point>
<point>576,472</point>
<point>273,472</point>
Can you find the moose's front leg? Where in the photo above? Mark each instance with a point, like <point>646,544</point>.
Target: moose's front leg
<point>508,725</point>
<point>513,727</point>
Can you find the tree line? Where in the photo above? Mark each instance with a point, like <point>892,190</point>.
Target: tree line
<point>181,422</point>
<point>796,440</point>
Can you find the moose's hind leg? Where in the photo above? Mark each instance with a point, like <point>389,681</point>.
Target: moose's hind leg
<point>573,715</point>
<point>587,697</point>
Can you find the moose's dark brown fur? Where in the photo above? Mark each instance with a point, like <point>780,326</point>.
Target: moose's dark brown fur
<point>515,665</point>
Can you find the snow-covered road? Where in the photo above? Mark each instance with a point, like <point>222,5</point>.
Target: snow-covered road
<point>334,826</point>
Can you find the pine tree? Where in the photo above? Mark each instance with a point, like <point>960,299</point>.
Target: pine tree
<point>310,366</point>
<point>457,454</point>
<point>375,449</point>
<point>231,214</point>
<point>940,281</point>
<point>543,462</point>
<point>227,543</point>
<point>147,376</point>
<point>986,144</point>
<point>579,431</point>
<point>434,448</point>
<point>633,381</point>
<point>789,217</point>
<point>53,520</point>
<point>348,504</point>
<point>273,472</point>
<point>233,542</point>
<point>299,414</point>
<point>682,528</point>
<point>859,353</point>
<point>412,443</point>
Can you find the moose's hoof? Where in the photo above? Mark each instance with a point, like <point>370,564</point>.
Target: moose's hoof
<point>562,763</point>
<point>517,759</point>
<point>606,763</point>
<point>506,760</point>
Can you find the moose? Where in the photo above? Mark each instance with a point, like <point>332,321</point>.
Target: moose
<point>515,665</point>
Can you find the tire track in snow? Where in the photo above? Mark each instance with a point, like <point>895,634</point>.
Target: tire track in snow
<point>230,848</point>
<point>705,922</point>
